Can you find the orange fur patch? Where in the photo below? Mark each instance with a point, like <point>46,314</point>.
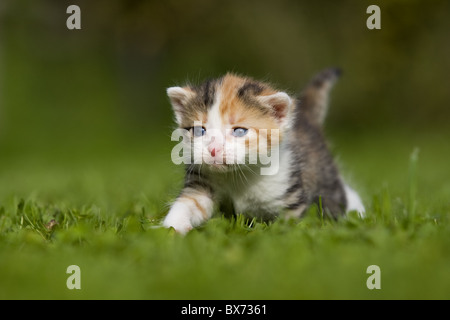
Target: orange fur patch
<point>229,98</point>
<point>234,109</point>
<point>235,113</point>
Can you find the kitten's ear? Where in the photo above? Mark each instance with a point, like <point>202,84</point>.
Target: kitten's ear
<point>179,97</point>
<point>281,105</point>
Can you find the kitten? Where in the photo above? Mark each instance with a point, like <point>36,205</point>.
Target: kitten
<point>225,121</point>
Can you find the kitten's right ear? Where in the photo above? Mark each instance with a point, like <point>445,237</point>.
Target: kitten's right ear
<point>179,98</point>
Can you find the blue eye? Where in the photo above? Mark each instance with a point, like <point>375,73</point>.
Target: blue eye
<point>239,132</point>
<point>198,131</point>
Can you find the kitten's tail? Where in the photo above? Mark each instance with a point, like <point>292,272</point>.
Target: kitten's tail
<point>313,101</point>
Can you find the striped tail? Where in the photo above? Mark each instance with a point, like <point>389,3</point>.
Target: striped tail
<point>314,98</point>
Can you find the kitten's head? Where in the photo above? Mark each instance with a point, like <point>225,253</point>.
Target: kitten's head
<point>231,119</point>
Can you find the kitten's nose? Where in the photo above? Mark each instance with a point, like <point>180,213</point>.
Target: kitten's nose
<point>214,148</point>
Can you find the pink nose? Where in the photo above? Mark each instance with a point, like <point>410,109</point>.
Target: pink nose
<point>214,148</point>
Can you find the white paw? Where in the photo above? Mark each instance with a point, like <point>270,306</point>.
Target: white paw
<point>179,218</point>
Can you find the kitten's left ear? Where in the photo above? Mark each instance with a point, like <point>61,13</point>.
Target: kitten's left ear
<point>281,105</point>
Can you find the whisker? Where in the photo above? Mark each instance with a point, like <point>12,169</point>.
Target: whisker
<point>242,176</point>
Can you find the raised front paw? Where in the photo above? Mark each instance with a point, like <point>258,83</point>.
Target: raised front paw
<point>190,210</point>
<point>179,218</point>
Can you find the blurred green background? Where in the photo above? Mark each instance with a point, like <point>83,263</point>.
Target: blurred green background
<point>103,87</point>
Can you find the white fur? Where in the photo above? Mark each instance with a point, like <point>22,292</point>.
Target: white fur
<point>354,202</point>
<point>214,118</point>
<point>179,217</point>
<point>184,214</point>
<point>265,192</point>
<point>214,134</point>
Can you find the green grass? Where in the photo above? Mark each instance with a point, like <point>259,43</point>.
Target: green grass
<point>101,210</point>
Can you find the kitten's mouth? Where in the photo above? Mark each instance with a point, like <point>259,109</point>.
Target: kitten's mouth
<point>218,166</point>
<point>219,163</point>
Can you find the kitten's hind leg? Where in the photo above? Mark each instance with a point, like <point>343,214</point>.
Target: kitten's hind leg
<point>295,213</point>
<point>190,209</point>
<point>354,202</point>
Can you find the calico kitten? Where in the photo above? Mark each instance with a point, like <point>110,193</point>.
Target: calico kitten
<point>222,114</point>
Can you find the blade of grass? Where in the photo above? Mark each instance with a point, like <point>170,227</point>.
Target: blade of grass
<point>412,183</point>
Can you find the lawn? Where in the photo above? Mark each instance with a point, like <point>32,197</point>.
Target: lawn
<point>100,210</point>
